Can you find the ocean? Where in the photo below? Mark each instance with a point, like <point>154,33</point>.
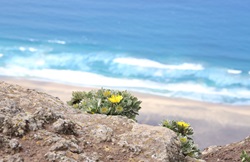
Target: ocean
<point>191,49</point>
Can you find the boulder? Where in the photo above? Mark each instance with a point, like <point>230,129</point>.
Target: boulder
<point>35,126</point>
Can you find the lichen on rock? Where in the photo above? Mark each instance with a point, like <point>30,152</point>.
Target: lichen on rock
<point>62,126</point>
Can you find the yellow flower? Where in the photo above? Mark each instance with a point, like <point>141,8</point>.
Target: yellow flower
<point>183,139</point>
<point>165,123</point>
<point>119,109</point>
<point>183,124</point>
<point>104,110</point>
<point>106,93</point>
<point>76,106</point>
<point>115,98</point>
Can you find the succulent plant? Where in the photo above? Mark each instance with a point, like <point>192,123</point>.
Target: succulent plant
<point>184,132</point>
<point>180,127</point>
<point>245,157</point>
<point>106,101</point>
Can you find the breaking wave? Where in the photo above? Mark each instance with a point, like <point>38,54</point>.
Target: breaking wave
<point>153,64</point>
<point>185,79</point>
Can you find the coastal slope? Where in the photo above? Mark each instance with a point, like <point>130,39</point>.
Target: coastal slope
<point>214,124</point>
<point>35,126</point>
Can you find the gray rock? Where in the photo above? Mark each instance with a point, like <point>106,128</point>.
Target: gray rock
<point>16,125</point>
<point>59,156</point>
<point>47,114</point>
<point>64,126</point>
<point>35,124</point>
<point>66,145</point>
<point>157,143</point>
<point>93,157</point>
<point>102,133</point>
<point>4,141</point>
<point>51,139</point>
<point>14,144</point>
<point>2,117</point>
<point>13,158</point>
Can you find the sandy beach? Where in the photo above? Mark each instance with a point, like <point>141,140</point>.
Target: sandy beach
<point>214,124</point>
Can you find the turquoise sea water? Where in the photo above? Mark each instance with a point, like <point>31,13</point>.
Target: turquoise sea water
<point>191,49</point>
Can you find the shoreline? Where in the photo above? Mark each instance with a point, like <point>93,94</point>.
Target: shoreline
<point>214,124</point>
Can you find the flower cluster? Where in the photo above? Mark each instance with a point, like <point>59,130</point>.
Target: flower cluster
<point>106,101</point>
<point>180,127</point>
<point>184,131</point>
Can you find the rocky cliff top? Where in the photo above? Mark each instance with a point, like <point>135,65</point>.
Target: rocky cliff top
<point>35,126</point>
<point>230,152</point>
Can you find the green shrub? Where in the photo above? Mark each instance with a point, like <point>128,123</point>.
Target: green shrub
<point>184,132</point>
<point>106,101</point>
<point>245,157</point>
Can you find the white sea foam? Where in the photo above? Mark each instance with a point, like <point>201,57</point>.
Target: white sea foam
<point>22,49</point>
<point>42,59</point>
<point>145,63</point>
<point>40,62</point>
<point>76,77</point>
<point>158,73</point>
<point>190,90</point>
<point>209,94</point>
<point>57,41</point>
<point>1,55</point>
<point>31,49</point>
<point>233,71</point>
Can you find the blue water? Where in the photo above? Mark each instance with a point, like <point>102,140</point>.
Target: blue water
<point>190,49</point>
